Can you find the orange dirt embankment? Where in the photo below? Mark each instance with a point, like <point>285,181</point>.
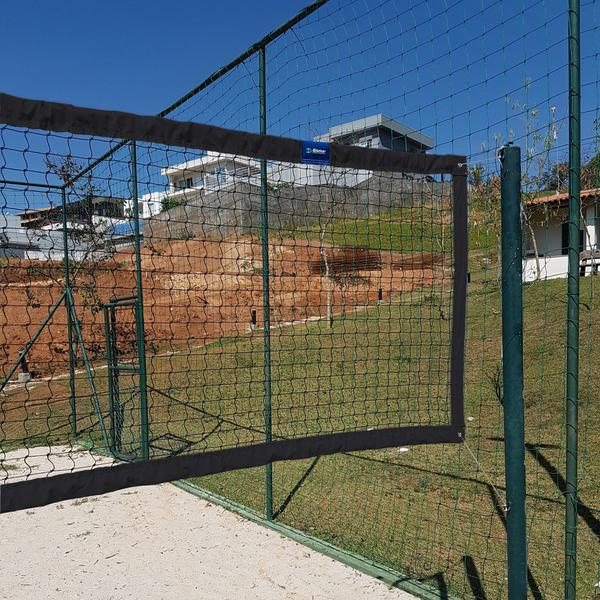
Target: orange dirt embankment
<point>196,291</point>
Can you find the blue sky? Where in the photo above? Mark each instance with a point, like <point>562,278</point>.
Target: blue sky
<point>137,56</point>
<point>130,54</point>
<point>472,74</point>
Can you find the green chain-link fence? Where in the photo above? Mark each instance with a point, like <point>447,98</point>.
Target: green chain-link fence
<point>473,76</point>
<point>461,77</point>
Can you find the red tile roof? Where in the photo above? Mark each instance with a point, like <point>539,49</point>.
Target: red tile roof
<point>559,198</point>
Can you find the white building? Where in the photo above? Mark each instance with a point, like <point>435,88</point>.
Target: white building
<point>191,179</point>
<point>101,212</point>
<point>38,244</point>
<point>92,226</point>
<point>148,205</point>
<point>548,217</point>
<point>211,172</point>
<point>378,131</point>
<point>217,171</point>
<point>214,171</point>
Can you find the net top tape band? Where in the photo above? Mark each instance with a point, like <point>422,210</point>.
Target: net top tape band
<point>67,486</point>
<point>60,117</point>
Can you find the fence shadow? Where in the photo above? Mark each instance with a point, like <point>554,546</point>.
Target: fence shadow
<point>583,510</point>
<point>474,578</point>
<point>498,508</point>
<point>439,584</point>
<point>296,488</point>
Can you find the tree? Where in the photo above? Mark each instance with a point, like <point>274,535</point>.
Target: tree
<point>590,173</point>
<point>484,204</point>
<point>555,178</point>
<point>87,233</point>
<point>167,203</point>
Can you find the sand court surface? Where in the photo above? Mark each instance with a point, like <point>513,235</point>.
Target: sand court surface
<point>163,542</point>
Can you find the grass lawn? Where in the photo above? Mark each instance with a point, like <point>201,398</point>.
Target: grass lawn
<point>435,512</point>
<point>419,229</point>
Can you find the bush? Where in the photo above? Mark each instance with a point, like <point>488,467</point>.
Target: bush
<point>168,203</point>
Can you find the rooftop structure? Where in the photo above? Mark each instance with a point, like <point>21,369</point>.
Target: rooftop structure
<point>378,131</point>
<point>78,212</point>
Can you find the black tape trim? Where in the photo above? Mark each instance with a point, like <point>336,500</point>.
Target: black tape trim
<point>59,117</point>
<point>68,486</point>
<point>459,298</point>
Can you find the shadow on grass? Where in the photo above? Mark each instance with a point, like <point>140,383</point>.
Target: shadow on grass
<point>437,582</point>
<point>472,573</point>
<point>452,476</point>
<point>474,578</point>
<point>584,511</point>
<point>296,488</point>
<point>533,586</point>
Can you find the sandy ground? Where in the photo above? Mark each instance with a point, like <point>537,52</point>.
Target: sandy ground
<point>162,542</point>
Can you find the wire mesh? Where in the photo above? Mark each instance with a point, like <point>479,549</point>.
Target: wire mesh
<point>469,77</point>
<point>472,77</point>
<point>167,348</point>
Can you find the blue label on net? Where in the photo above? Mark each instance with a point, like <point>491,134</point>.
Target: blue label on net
<point>316,153</point>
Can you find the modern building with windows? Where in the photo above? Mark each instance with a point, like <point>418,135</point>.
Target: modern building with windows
<point>211,172</point>
<point>99,211</point>
<point>32,243</point>
<point>216,185</point>
<point>192,180</point>
<point>378,131</point>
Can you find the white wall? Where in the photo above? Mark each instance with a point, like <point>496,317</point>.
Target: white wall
<point>591,225</point>
<point>553,264</point>
<point>551,267</point>
<point>548,236</point>
<point>149,204</point>
<point>306,174</point>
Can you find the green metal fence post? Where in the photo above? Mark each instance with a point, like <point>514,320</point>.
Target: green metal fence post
<point>262,85</point>
<point>110,372</point>
<point>69,309</point>
<point>512,372</point>
<point>572,383</point>
<point>139,311</point>
<point>89,370</point>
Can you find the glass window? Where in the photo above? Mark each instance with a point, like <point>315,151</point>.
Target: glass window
<point>220,174</point>
<point>565,239</point>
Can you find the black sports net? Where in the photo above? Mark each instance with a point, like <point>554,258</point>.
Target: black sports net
<point>174,300</point>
